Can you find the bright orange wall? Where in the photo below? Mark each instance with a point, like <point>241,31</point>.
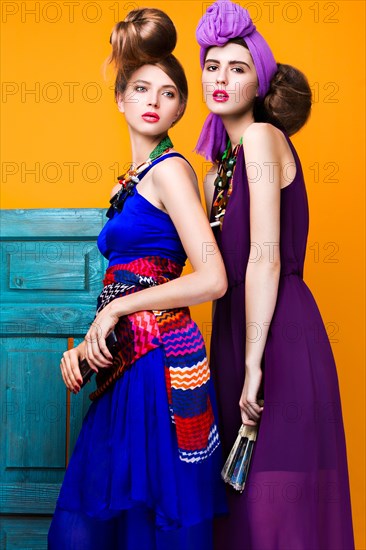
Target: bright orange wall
<point>69,132</point>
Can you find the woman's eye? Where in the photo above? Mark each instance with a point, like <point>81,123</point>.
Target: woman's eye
<point>169,94</point>
<point>238,70</point>
<point>140,89</point>
<point>211,67</point>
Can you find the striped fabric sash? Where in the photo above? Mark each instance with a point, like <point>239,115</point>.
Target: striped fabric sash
<point>187,373</point>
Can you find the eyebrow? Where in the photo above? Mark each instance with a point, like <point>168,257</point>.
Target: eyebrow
<point>149,83</point>
<point>230,62</point>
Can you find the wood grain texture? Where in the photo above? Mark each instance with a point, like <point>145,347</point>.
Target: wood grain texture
<point>24,534</point>
<point>51,275</point>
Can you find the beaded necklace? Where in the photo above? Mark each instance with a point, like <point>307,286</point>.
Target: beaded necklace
<point>224,183</point>
<point>130,179</point>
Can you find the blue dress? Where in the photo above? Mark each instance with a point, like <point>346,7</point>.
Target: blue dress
<point>125,486</point>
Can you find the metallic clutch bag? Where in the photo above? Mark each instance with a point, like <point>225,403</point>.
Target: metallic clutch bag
<point>85,370</point>
<point>235,470</point>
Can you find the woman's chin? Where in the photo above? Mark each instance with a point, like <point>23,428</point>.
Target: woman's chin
<point>149,130</point>
<point>225,110</point>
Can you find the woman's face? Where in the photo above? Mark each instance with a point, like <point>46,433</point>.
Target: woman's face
<point>229,80</point>
<point>151,101</point>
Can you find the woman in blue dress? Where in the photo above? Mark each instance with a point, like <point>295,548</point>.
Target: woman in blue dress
<point>144,474</point>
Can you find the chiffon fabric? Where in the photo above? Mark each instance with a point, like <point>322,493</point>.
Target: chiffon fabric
<point>297,493</point>
<point>125,486</point>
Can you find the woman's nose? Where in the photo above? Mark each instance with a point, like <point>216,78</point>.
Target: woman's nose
<point>153,100</point>
<point>221,77</point>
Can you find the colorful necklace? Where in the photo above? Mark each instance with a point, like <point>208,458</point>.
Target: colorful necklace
<point>224,183</point>
<point>130,178</point>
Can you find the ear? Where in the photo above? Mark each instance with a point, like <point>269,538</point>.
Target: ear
<point>120,103</point>
<point>257,88</point>
<point>179,112</point>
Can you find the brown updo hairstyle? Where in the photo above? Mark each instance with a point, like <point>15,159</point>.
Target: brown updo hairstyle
<point>146,36</point>
<point>287,104</point>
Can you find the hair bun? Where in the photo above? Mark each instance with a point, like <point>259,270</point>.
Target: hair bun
<point>289,99</point>
<point>145,36</point>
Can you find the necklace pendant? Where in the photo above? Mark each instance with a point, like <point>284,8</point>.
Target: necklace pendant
<point>220,218</point>
<point>130,179</point>
<point>223,183</point>
<point>219,182</point>
<point>130,187</point>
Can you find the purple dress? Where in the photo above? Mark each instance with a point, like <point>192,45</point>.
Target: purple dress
<point>297,493</point>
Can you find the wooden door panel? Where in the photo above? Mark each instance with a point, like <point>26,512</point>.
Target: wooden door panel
<point>23,534</point>
<point>35,405</point>
<point>31,269</point>
<point>51,275</point>
<point>43,321</point>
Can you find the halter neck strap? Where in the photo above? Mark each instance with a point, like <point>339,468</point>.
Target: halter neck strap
<point>112,209</point>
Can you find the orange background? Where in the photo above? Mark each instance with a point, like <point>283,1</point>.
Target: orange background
<point>59,119</point>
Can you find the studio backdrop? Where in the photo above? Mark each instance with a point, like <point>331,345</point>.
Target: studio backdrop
<point>63,144</point>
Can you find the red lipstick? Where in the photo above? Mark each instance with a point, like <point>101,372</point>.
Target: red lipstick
<point>220,96</point>
<point>151,117</point>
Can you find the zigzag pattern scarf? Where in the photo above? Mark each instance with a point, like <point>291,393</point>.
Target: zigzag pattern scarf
<point>187,372</point>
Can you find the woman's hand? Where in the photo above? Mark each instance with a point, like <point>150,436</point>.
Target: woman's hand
<point>250,410</point>
<point>96,351</point>
<point>70,367</point>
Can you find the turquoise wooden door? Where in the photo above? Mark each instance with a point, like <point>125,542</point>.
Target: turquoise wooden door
<point>51,274</point>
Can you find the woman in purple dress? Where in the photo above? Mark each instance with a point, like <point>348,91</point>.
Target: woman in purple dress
<point>268,335</point>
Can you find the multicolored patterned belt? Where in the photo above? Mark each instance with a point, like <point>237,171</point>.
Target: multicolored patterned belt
<point>187,372</point>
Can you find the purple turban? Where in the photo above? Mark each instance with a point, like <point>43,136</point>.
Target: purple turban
<point>222,21</point>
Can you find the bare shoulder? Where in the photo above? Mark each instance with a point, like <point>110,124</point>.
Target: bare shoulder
<point>264,134</point>
<point>174,169</point>
<point>263,143</point>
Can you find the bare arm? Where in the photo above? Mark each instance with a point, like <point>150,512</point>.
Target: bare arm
<point>261,146</point>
